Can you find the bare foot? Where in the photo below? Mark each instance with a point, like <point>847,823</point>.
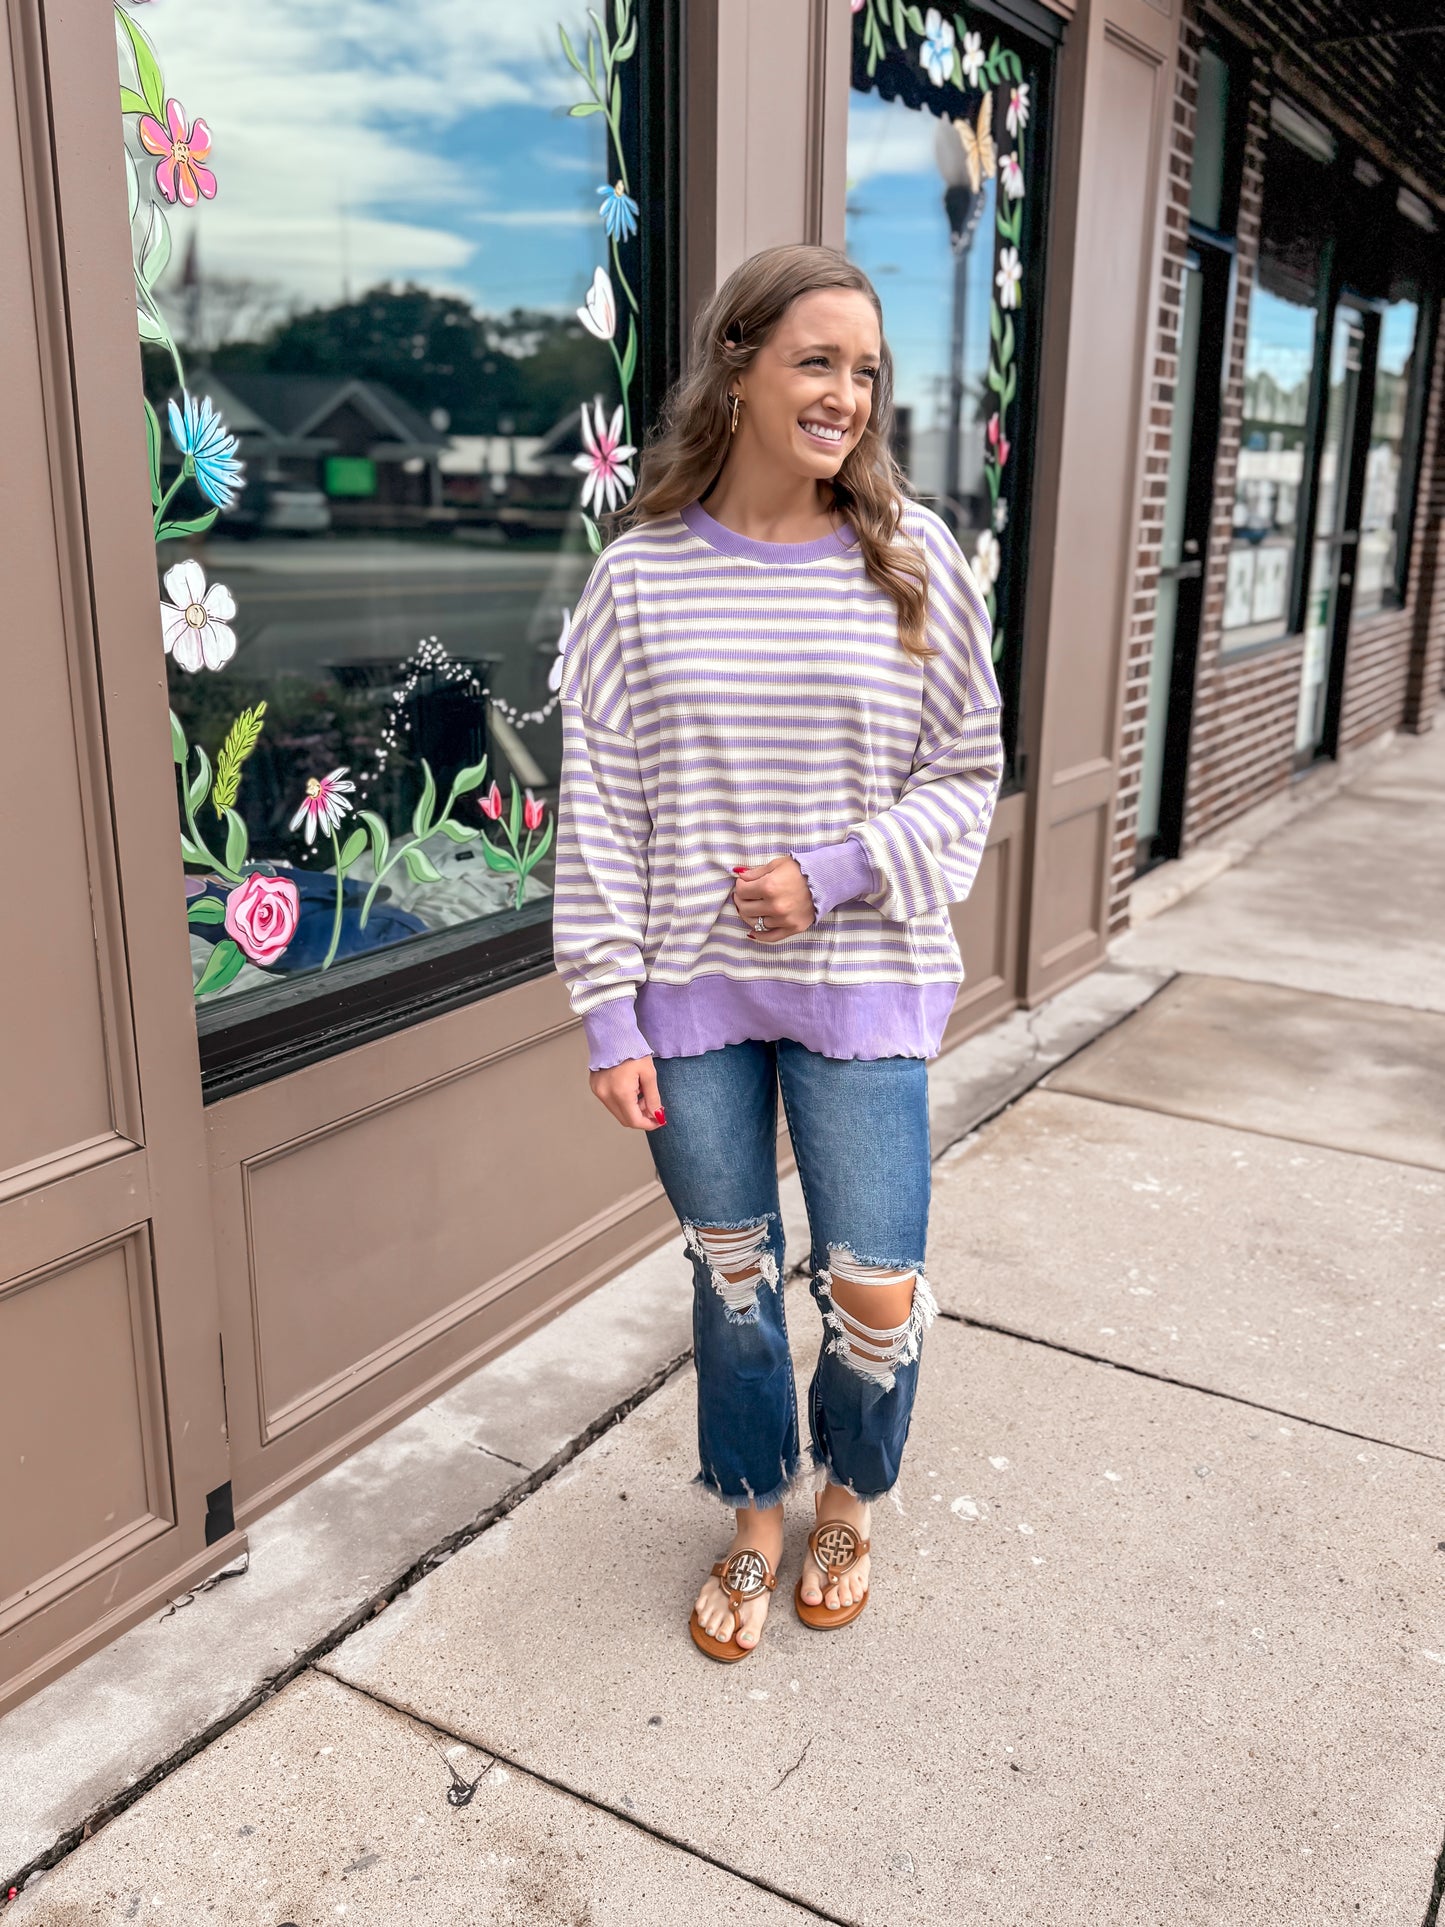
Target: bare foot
<point>834,1503</point>
<point>764,1531</point>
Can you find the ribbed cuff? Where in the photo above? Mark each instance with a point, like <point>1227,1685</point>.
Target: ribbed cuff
<point>612,1033</point>
<point>836,873</point>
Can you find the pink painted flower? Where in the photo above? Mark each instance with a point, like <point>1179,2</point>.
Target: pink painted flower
<point>262,914</point>
<point>180,152</point>
<point>997,440</point>
<point>324,804</point>
<point>605,462</point>
<point>532,812</point>
<point>491,803</point>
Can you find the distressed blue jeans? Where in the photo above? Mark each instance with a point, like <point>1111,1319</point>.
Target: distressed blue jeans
<point>860,1133</point>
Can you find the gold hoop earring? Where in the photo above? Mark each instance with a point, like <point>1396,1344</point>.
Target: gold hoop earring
<point>737,402</point>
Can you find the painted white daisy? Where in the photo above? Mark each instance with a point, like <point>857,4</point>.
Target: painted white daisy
<point>1017,115</point>
<point>972,58</point>
<point>987,559</point>
<point>195,621</point>
<point>1010,275</point>
<point>605,460</point>
<point>936,52</point>
<point>1012,176</point>
<point>324,804</point>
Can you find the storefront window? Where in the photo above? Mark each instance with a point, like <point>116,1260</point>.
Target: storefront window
<point>388,277</point>
<point>1377,569</point>
<point>946,176</point>
<point>1279,361</point>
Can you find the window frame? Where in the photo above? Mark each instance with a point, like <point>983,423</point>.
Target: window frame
<point>286,1025</point>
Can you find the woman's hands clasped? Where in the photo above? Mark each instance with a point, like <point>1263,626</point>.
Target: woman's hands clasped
<point>778,893</point>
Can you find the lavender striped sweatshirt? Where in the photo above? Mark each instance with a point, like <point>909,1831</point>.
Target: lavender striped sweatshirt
<point>726,701</point>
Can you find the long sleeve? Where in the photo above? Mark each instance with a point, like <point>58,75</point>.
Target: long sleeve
<point>836,873</point>
<point>599,909</point>
<point>926,847</point>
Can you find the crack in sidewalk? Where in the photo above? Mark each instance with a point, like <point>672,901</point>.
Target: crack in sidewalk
<point>276,1682</point>
<point>599,1805</point>
<point>1185,1384</point>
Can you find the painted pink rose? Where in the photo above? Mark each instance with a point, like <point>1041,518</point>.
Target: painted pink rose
<point>262,914</point>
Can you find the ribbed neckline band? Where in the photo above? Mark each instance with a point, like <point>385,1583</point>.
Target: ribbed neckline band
<point>711,531</point>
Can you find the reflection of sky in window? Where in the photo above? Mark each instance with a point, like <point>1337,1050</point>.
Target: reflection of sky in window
<point>355,141</point>
<point>1397,336</point>
<point>898,234</point>
<point>1281,338</point>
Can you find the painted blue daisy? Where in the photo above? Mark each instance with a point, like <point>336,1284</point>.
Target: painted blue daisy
<point>618,211</point>
<point>200,434</point>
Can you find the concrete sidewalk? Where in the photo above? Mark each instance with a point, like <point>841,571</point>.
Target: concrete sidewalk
<point>1156,1635</point>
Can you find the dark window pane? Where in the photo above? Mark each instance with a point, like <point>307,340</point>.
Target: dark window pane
<point>1206,182</point>
<point>1376,567</point>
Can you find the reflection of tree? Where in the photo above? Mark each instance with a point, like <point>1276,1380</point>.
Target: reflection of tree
<point>436,351</point>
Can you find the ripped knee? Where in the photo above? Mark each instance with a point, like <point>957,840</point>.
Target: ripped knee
<point>739,1259</point>
<point>874,1349</point>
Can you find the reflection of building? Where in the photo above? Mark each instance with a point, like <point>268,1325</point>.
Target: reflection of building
<point>368,451</point>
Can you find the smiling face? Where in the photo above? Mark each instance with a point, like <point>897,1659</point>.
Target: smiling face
<point>808,392</point>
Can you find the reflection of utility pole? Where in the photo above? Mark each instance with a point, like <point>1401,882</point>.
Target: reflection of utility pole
<point>345,250</point>
<point>962,203</point>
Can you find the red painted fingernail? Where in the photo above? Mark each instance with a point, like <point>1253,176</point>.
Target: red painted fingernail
<point>738,869</point>
<point>661,1116</point>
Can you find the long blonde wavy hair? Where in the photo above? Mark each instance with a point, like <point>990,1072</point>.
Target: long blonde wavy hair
<point>689,444</point>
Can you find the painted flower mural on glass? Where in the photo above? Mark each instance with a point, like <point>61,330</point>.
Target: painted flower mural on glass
<point>323,805</point>
<point>619,212</point>
<point>181,150</point>
<point>195,620</point>
<point>1009,278</point>
<point>210,448</point>
<point>605,460</point>
<point>261,916</point>
<point>936,52</point>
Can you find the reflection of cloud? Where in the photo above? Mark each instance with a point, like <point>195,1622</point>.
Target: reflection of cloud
<point>886,137</point>
<point>351,137</point>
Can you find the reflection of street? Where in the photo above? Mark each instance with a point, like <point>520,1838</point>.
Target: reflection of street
<point>306,606</point>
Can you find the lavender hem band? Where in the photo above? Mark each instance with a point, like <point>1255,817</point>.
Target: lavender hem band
<point>836,1020</point>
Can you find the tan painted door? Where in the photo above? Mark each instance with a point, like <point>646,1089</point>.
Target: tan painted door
<point>112,1430</point>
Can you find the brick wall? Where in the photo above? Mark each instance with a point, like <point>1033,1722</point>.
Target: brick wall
<point>1242,742</point>
<point>1140,639</point>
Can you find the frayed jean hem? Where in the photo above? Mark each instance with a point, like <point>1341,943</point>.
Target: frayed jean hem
<point>824,1473</point>
<point>759,1501</point>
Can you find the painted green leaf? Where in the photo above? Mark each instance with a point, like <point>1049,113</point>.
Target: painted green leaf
<point>351,849</point>
<point>898,30</point>
<point>206,910</point>
<point>156,254</point>
<point>241,739</point>
<point>148,327</point>
<point>990,475</point>
<point>458,832</point>
<point>193,853</point>
<point>994,379</point>
<point>421,820</point>
<point>584,107</point>
<point>496,859</point>
<point>541,850</point>
<point>615,98</point>
<point>619,18</point>
<point>572,59</point>
<point>153,451</point>
<point>132,103</point>
<point>514,821</point>
<point>1010,388</point>
<point>197,525</point>
<point>915,19</point>
<point>419,866</point>
<point>223,965</point>
<point>594,534</point>
<point>629,354</point>
<point>201,782</point>
<point>626,46</point>
<point>178,740</point>
<point>1006,352</point>
<point>998,647</point>
<point>591,59</point>
<point>237,840</point>
<point>147,67</point>
<point>994,327</point>
<point>132,182</point>
<point>380,839</point>
<point>470,778</point>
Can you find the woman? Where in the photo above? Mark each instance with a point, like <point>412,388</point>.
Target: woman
<point>781,757</point>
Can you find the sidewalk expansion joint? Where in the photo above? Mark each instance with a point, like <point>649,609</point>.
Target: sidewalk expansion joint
<point>1187,1385</point>
<point>598,1805</point>
<point>276,1682</point>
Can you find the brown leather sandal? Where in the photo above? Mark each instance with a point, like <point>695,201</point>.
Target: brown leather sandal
<point>743,1575</point>
<point>835,1548</point>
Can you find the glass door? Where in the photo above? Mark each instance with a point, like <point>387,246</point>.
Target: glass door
<point>1339,492</point>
